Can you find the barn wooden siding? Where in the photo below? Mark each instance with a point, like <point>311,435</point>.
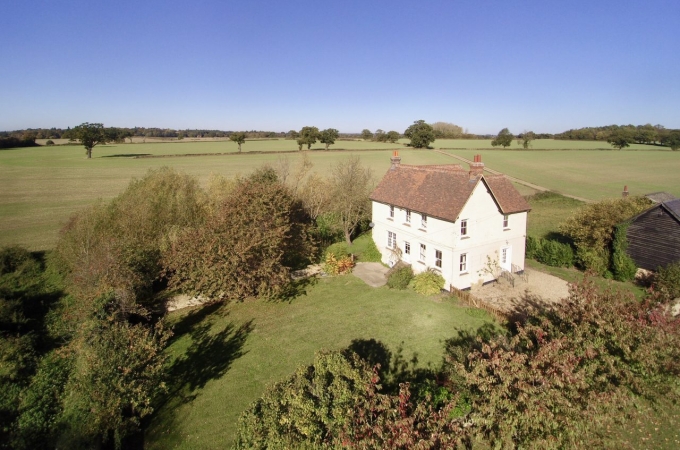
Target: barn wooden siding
<point>654,238</point>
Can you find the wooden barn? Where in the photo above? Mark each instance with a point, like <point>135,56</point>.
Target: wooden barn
<point>654,236</point>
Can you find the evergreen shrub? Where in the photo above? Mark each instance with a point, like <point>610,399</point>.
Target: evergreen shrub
<point>667,280</point>
<point>622,266</point>
<point>429,282</point>
<point>550,252</point>
<point>399,276</point>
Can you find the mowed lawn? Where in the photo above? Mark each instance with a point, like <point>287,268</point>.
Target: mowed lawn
<point>226,356</point>
<point>41,187</point>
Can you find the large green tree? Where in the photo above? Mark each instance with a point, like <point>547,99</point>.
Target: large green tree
<point>328,136</point>
<point>307,136</point>
<point>621,138</point>
<point>672,140</point>
<point>366,134</point>
<point>525,138</point>
<point>420,133</point>
<point>504,138</point>
<point>392,137</point>
<point>90,135</point>
<point>239,138</point>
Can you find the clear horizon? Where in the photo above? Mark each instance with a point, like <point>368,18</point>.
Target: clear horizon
<point>276,66</point>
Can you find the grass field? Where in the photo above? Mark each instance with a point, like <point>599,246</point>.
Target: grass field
<point>41,187</point>
<point>225,357</point>
<point>591,174</point>
<point>548,212</point>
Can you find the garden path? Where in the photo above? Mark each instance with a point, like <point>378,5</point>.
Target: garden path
<point>371,273</point>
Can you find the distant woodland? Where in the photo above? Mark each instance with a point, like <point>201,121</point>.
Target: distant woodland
<point>641,134</point>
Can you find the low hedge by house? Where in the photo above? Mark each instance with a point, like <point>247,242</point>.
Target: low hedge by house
<point>550,252</point>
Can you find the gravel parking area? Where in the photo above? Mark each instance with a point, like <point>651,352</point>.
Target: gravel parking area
<point>540,291</point>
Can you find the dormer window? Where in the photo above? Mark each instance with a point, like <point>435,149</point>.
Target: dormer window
<point>506,222</point>
<point>391,211</point>
<point>463,228</point>
<point>423,221</point>
<point>408,216</point>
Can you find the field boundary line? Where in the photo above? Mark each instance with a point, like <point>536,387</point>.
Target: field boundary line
<point>262,152</point>
<point>516,180</point>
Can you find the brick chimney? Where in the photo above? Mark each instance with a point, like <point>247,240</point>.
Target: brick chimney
<point>395,159</point>
<point>625,192</point>
<point>476,167</point>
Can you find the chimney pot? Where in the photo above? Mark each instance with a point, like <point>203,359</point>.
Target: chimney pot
<point>476,166</point>
<point>395,160</point>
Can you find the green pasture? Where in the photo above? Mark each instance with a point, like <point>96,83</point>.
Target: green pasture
<point>591,174</point>
<point>223,358</point>
<point>41,187</point>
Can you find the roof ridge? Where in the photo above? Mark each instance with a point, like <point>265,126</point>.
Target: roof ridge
<point>434,167</point>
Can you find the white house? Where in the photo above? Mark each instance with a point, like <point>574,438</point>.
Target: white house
<point>462,223</point>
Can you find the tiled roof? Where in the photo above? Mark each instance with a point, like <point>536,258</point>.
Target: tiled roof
<point>442,191</point>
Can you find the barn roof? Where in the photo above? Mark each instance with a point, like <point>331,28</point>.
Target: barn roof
<point>673,207</point>
<point>660,197</point>
<point>441,191</point>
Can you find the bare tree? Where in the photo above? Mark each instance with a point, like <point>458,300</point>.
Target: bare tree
<point>351,184</point>
<point>316,195</point>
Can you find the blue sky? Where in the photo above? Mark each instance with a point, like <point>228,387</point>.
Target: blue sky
<point>545,66</point>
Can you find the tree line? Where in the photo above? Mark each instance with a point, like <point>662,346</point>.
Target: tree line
<point>621,136</point>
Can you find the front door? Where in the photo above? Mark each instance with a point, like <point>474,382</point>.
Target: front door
<point>506,258</point>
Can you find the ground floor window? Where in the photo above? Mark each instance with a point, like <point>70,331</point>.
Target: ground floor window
<point>463,262</point>
<point>391,239</point>
<point>422,252</point>
<point>407,248</point>
<point>504,256</point>
<point>438,258</point>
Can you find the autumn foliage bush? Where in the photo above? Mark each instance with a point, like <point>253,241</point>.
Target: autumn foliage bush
<point>247,245</point>
<point>336,403</point>
<point>117,246</point>
<point>544,385</point>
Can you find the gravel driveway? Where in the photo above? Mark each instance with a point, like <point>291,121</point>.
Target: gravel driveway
<point>540,291</point>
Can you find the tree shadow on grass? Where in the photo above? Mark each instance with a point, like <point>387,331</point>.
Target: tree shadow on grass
<point>458,347</point>
<point>209,356</point>
<point>212,351</point>
<point>126,155</point>
<point>194,318</point>
<point>394,368</point>
<point>295,289</point>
